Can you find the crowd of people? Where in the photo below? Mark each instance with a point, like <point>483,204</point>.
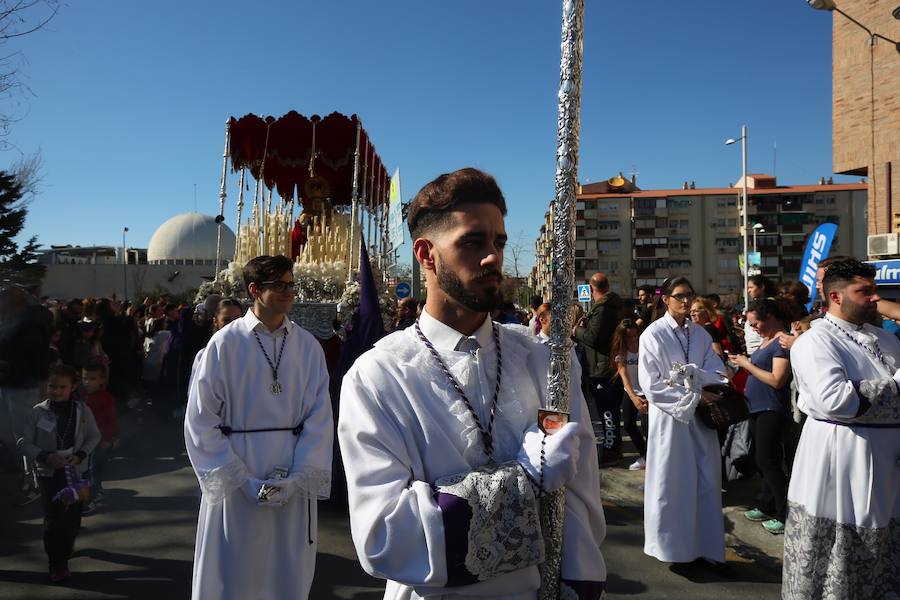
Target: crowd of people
<point>447,463</point>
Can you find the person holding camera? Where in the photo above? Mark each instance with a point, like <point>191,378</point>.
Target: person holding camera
<point>767,390</point>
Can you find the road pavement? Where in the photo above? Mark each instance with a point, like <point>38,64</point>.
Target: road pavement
<point>140,543</point>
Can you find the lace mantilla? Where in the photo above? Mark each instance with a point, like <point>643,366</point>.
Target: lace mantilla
<point>882,394</point>
<point>504,534</point>
<point>827,559</point>
<point>217,483</point>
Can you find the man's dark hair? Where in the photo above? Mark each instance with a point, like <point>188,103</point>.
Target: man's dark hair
<point>840,274</point>
<point>169,307</point>
<point>266,268</point>
<point>226,302</point>
<point>95,367</point>
<point>64,371</point>
<point>74,302</point>
<point>536,302</point>
<point>713,298</point>
<point>826,262</point>
<point>669,285</point>
<point>432,205</point>
<point>647,289</point>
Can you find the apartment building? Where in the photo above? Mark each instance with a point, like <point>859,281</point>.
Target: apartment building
<point>640,237</point>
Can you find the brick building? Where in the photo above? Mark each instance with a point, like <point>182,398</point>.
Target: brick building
<point>866,105</point>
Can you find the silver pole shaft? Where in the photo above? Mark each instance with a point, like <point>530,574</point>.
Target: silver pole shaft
<point>222,201</point>
<point>353,213</point>
<point>563,260</point>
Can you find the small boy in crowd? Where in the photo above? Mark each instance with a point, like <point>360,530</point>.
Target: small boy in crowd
<point>103,406</point>
<point>60,432</point>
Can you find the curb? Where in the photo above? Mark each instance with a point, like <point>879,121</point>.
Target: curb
<point>745,541</point>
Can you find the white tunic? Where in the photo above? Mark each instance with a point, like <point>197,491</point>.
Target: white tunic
<point>403,426</point>
<point>682,491</point>
<point>844,495</point>
<point>245,551</point>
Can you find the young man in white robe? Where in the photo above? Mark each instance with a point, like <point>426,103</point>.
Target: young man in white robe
<point>683,521</point>
<point>842,535</point>
<point>259,435</point>
<point>438,428</point>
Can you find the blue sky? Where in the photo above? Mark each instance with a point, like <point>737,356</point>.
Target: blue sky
<point>130,98</point>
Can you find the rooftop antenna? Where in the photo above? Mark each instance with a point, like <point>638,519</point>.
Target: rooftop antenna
<point>634,173</point>
<point>195,197</point>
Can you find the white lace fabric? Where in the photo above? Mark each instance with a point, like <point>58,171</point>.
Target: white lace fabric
<point>218,482</point>
<point>885,402</point>
<point>504,534</point>
<point>310,482</point>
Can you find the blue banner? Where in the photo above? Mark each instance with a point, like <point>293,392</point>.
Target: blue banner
<point>817,248</point>
<point>887,272</point>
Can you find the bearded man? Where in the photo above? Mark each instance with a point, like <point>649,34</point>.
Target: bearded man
<point>843,524</point>
<point>438,427</point>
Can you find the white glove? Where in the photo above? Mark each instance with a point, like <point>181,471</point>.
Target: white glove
<point>561,452</point>
<point>250,488</point>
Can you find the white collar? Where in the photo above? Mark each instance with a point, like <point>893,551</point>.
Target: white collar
<point>673,324</point>
<point>844,324</point>
<point>252,322</point>
<point>543,336</point>
<point>444,337</point>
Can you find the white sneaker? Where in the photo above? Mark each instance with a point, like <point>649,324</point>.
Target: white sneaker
<point>639,465</point>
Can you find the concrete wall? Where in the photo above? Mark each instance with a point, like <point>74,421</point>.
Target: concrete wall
<point>80,281</point>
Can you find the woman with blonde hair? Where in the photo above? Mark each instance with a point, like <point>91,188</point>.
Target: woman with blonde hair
<point>704,315</point>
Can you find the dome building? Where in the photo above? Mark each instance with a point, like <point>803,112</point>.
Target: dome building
<point>190,239</point>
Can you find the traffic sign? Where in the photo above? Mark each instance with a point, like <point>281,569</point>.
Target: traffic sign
<point>403,290</point>
<point>584,292</point>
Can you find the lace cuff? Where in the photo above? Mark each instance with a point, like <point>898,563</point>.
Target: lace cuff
<point>311,483</point>
<point>582,590</point>
<point>220,481</point>
<point>503,532</point>
<point>878,399</point>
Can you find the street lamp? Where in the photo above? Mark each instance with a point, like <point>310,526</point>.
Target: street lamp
<point>124,265</point>
<point>757,228</point>
<point>829,5</point>
<point>744,204</point>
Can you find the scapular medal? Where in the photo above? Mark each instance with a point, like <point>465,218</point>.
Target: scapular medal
<point>276,385</point>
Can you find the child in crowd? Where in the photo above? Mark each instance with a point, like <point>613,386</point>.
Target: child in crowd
<point>103,406</point>
<point>59,435</point>
<point>624,350</point>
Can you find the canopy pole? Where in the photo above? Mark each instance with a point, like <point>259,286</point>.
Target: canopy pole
<point>353,213</point>
<point>563,259</point>
<point>240,209</point>
<point>220,218</point>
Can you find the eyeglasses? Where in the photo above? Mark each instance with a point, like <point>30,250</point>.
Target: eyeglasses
<point>279,286</point>
<point>683,297</point>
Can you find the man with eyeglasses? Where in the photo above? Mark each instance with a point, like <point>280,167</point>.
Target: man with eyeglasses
<point>259,435</point>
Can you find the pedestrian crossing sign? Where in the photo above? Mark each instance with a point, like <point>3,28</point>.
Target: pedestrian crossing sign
<point>584,293</point>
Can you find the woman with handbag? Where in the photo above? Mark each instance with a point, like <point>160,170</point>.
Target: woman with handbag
<point>683,521</point>
<point>767,390</point>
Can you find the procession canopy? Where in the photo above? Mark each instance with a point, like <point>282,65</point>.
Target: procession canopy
<point>303,157</point>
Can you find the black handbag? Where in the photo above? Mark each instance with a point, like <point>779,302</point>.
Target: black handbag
<point>721,406</point>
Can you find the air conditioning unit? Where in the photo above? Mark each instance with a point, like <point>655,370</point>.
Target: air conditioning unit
<point>883,244</point>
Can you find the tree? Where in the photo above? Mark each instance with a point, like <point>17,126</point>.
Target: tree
<point>16,265</point>
<point>17,18</point>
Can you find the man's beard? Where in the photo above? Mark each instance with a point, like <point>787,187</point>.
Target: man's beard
<point>452,285</point>
<point>859,313</point>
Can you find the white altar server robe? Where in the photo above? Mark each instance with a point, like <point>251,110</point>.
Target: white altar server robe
<point>245,551</point>
<point>683,481</point>
<point>402,426</point>
<point>843,526</point>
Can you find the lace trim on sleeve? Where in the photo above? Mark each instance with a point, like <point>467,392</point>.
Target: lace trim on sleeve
<point>311,483</point>
<point>884,401</point>
<point>217,483</point>
<point>504,534</point>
